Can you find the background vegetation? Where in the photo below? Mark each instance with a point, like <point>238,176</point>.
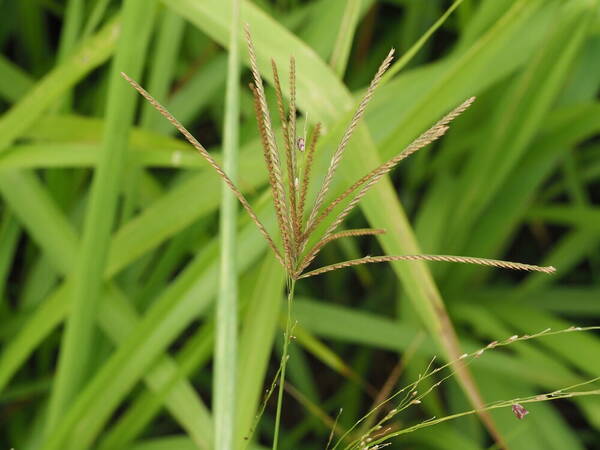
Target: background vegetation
<point>127,256</point>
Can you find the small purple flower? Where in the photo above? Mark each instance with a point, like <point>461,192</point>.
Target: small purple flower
<point>300,144</point>
<point>519,411</point>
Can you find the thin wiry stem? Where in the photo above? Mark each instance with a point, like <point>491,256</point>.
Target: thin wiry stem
<point>192,140</point>
<point>285,225</point>
<point>495,405</point>
<point>284,358</point>
<point>337,156</point>
<point>466,359</point>
<point>262,408</point>
<point>333,428</point>
<point>296,218</point>
<point>442,258</point>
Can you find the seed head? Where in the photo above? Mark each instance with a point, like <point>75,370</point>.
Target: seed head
<point>519,411</point>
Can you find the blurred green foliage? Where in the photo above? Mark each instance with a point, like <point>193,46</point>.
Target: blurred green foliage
<point>127,255</point>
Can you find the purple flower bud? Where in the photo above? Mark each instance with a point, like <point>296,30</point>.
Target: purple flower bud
<point>519,411</point>
<point>300,144</point>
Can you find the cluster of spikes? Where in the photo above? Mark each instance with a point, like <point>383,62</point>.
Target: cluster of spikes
<point>297,225</point>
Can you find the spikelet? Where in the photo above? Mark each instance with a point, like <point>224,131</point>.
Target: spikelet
<point>285,225</point>
<point>443,258</point>
<point>310,155</point>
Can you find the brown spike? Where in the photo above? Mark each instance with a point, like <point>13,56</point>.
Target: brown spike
<point>337,156</point>
<point>192,140</point>
<point>296,220</point>
<point>443,258</point>
<point>285,226</point>
<point>308,168</point>
<point>372,178</point>
<point>277,203</point>
<point>429,136</point>
<point>280,104</point>
<point>290,153</point>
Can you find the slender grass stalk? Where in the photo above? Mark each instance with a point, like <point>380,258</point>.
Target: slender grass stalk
<point>490,407</point>
<point>284,359</point>
<point>225,374</point>
<point>410,394</point>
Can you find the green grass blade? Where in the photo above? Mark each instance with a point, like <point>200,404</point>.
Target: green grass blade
<point>14,82</point>
<point>9,237</point>
<point>532,65</point>
<point>162,67</point>
<point>116,316</point>
<point>519,119</point>
<point>33,205</point>
<point>91,54</point>
<point>33,32</point>
<point>256,342</point>
<point>419,44</point>
<point>562,130</point>
<point>587,217</point>
<point>135,420</point>
<point>98,11</point>
<point>76,348</point>
<point>189,295</point>
<point>73,21</point>
<point>202,88</point>
<point>343,43</point>
<point>225,359</point>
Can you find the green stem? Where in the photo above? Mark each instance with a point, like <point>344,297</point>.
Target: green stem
<point>284,358</point>
<point>224,383</point>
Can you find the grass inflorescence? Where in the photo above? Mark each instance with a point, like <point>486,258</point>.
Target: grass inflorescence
<point>376,435</point>
<point>128,321</point>
<point>297,226</point>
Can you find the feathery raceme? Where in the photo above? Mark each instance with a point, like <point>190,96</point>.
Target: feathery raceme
<point>339,153</point>
<point>290,206</point>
